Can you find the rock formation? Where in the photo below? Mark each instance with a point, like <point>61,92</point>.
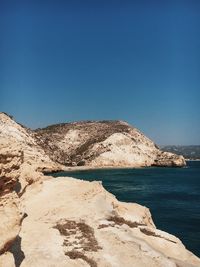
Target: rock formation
<point>21,159</point>
<point>167,159</point>
<point>69,222</point>
<point>88,143</point>
<point>102,143</point>
<point>10,215</point>
<point>35,158</point>
<point>81,224</point>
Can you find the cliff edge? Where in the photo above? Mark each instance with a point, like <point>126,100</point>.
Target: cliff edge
<point>69,222</point>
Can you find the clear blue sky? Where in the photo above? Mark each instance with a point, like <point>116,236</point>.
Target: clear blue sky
<point>137,61</point>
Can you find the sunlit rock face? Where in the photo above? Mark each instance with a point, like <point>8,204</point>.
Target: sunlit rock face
<point>102,143</point>
<point>69,222</point>
<point>11,158</point>
<point>20,160</point>
<point>167,159</point>
<point>34,156</point>
<point>87,143</point>
<point>81,224</point>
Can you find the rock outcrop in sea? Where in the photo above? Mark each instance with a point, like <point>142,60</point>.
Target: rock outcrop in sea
<point>68,222</point>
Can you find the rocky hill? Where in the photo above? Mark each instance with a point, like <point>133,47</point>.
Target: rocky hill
<point>87,143</point>
<point>102,143</point>
<point>67,222</point>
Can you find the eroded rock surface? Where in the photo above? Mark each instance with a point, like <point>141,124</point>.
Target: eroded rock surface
<point>81,224</point>
<point>14,135</point>
<point>21,159</point>
<point>11,158</point>
<point>87,143</point>
<point>68,222</point>
<point>167,159</point>
<point>102,143</point>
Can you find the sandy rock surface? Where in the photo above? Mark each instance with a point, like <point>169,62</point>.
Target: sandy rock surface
<point>68,222</point>
<point>81,224</point>
<point>10,216</point>
<point>14,136</point>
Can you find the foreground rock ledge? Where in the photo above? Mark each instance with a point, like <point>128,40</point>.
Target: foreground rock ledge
<point>78,223</point>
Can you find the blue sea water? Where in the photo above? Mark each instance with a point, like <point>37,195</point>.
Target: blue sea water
<point>171,194</point>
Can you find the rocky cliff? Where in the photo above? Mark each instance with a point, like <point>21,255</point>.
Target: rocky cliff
<point>34,155</point>
<point>68,222</point>
<point>21,161</point>
<point>102,143</point>
<point>87,143</point>
<point>10,160</point>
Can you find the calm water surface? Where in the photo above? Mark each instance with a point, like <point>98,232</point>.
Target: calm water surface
<point>172,194</point>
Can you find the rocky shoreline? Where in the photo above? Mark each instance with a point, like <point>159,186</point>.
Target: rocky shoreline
<point>102,144</point>
<point>69,222</point>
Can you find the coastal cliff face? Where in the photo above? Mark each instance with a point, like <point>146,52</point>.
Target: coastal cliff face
<point>11,157</point>
<point>21,159</point>
<point>69,222</point>
<point>34,155</point>
<point>88,143</point>
<point>102,143</point>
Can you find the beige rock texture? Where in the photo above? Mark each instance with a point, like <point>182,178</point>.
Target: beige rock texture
<point>102,144</point>
<point>20,162</point>
<point>15,136</point>
<point>7,260</point>
<point>81,224</point>
<point>87,143</point>
<point>167,159</point>
<point>10,215</point>
<point>55,222</point>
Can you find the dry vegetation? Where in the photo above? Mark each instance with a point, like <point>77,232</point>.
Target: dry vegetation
<point>151,233</point>
<point>79,255</point>
<point>120,221</point>
<point>91,132</point>
<point>79,238</point>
